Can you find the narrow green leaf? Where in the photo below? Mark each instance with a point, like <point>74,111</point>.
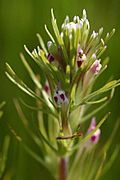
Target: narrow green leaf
<point>75,78</point>
<point>48,143</point>
<point>94,42</point>
<point>34,137</point>
<point>44,110</point>
<point>84,16</point>
<point>35,80</point>
<point>105,88</point>
<point>34,56</point>
<point>30,71</point>
<point>109,35</point>
<point>26,124</point>
<point>16,80</point>
<point>97,101</point>
<point>49,34</point>
<point>30,54</point>
<point>19,85</point>
<point>59,38</point>
<point>101,51</point>
<point>42,43</point>
<point>77,38</point>
<point>110,85</point>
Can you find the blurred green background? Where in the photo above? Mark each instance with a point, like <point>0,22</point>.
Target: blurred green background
<point>20,20</point>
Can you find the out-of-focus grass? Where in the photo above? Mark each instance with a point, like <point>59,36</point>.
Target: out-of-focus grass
<point>19,23</point>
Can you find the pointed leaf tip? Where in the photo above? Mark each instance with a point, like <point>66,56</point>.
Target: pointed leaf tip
<point>113,30</point>
<point>52,14</point>
<point>84,14</point>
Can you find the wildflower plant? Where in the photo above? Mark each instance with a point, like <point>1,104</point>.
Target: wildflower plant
<point>66,100</point>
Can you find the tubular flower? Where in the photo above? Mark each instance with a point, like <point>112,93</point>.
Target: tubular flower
<point>80,56</point>
<point>95,137</point>
<point>96,66</point>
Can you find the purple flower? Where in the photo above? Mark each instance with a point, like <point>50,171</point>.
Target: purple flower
<point>94,70</point>
<point>96,66</point>
<point>60,97</point>
<point>95,137</point>
<point>80,56</point>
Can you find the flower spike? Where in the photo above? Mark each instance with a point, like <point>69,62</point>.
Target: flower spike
<point>69,64</point>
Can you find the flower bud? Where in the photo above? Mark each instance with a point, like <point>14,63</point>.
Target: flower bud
<point>96,66</point>
<point>95,137</point>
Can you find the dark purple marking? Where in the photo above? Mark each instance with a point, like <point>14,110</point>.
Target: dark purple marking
<point>46,88</point>
<point>79,63</point>
<point>56,99</point>
<point>62,97</point>
<point>50,57</point>
<point>93,138</point>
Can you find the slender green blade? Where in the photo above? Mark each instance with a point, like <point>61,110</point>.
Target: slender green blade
<point>42,43</point>
<point>59,38</point>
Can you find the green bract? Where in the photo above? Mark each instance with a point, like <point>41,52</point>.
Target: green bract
<point>70,65</point>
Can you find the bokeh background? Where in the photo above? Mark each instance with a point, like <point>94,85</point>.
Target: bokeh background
<point>20,20</point>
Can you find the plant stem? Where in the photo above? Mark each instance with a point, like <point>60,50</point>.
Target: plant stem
<point>63,169</point>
